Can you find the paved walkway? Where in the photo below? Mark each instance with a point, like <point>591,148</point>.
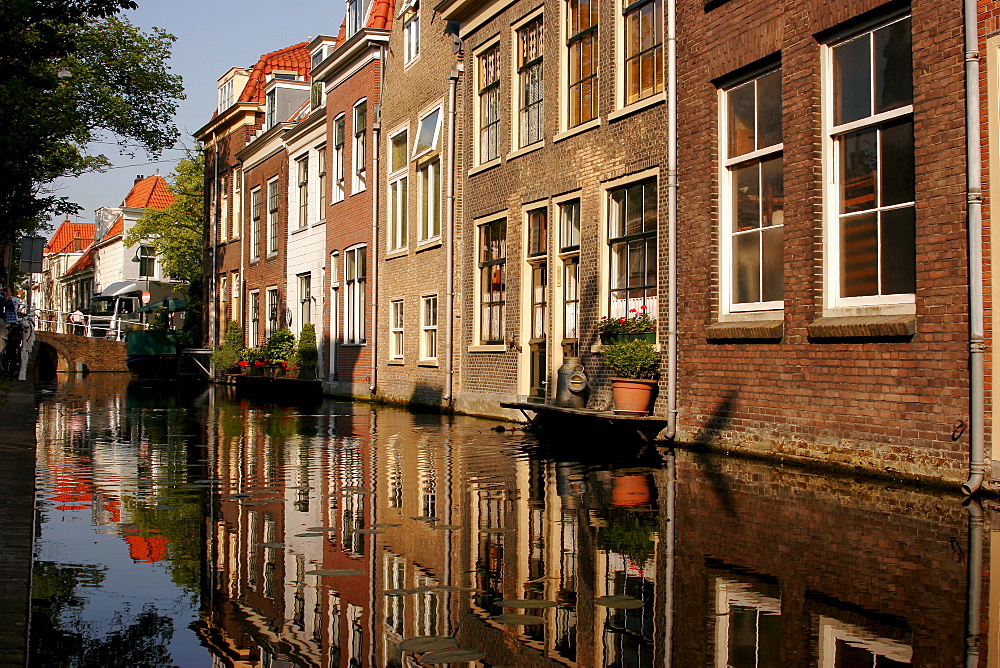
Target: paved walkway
<point>18,415</point>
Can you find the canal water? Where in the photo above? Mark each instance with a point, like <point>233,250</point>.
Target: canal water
<point>188,527</point>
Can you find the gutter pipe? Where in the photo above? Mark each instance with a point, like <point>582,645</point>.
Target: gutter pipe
<point>373,258</point>
<point>671,429</point>
<point>449,301</point>
<point>974,197</point>
<point>213,238</point>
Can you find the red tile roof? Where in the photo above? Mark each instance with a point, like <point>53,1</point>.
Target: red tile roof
<point>152,191</point>
<point>381,15</point>
<point>117,228</point>
<point>85,262</point>
<point>70,238</point>
<point>293,58</point>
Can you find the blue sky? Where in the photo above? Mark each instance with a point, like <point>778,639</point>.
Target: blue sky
<point>212,36</point>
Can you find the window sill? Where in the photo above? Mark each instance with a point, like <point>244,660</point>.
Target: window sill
<point>531,148</point>
<point>583,127</point>
<point>396,362</point>
<point>632,108</point>
<point>483,167</point>
<point>271,256</point>
<point>345,344</point>
<point>432,364</point>
<point>299,230</point>
<point>397,252</point>
<point>429,244</point>
<point>490,348</point>
<point>864,327</point>
<point>757,330</point>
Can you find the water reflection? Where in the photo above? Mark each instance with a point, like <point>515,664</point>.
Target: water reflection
<point>190,528</point>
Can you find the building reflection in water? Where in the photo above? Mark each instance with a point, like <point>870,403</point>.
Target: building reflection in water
<point>332,538</point>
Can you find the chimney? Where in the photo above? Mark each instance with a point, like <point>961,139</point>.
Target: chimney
<point>138,178</point>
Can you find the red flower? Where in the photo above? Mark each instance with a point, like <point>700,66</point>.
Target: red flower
<point>643,306</point>
<point>622,320</point>
<point>242,363</point>
<point>632,310</point>
<point>260,363</point>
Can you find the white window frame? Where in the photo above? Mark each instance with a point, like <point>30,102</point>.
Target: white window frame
<point>237,313</point>
<point>429,209</point>
<point>429,327</point>
<point>902,303</point>
<point>566,77</point>
<point>481,339</point>
<point>256,209</point>
<point>224,225</point>
<point>273,210</point>
<point>479,95</point>
<point>359,153</point>
<point>355,299</point>
<point>273,307</point>
<point>728,205</point>
<point>236,231</point>
<point>568,253</point>
<point>339,179</point>
<point>622,56</point>
<point>432,146</point>
<point>225,96</point>
<point>322,179</point>
<point>305,299</point>
<point>607,262</point>
<point>302,190</point>
<point>518,141</point>
<point>411,32</point>
<point>397,193</point>
<point>254,319</point>
<point>396,324</point>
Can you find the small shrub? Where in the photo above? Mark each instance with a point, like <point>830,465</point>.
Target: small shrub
<point>307,353</point>
<point>225,358</point>
<point>631,358</point>
<point>280,346</point>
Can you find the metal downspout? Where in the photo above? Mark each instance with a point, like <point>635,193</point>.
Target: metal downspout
<point>974,595</point>
<point>671,430</point>
<point>243,273</point>
<point>449,300</point>
<point>373,258</point>
<point>213,238</point>
<point>977,339</point>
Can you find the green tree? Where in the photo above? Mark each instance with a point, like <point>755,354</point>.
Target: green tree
<point>73,73</point>
<point>177,232</point>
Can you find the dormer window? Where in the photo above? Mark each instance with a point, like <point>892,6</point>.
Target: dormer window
<point>272,108</point>
<point>317,57</point>
<point>226,95</point>
<point>357,11</point>
<point>286,76</point>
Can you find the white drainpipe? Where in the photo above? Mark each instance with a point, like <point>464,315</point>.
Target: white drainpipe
<point>449,300</point>
<point>671,430</point>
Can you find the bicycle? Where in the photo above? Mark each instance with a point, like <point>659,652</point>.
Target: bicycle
<point>10,358</point>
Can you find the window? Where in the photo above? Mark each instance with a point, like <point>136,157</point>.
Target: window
<point>643,40</point>
<point>632,248</point>
<point>396,329</point>
<point>303,170</point>
<point>581,47</point>
<point>411,33</point>
<point>538,232</point>
<point>147,261</point>
<point>338,159</point>
<point>493,280</point>
<point>354,308</point>
<point>873,215</point>
<point>223,288</point>
<point>489,104</point>
<point>428,327</point>
<point>321,185</point>
<point>237,313</point>
<point>398,202</point>
<point>752,238</point>
<point>429,177</point>
<point>428,131</point>
<point>529,73</point>
<point>360,126</point>
<point>569,249</point>
<point>224,208</point>
<point>271,115</point>
<point>255,222</point>
<point>272,216</point>
<point>235,219</point>
<point>272,311</point>
<point>305,300</point>
<point>317,94</point>
<point>355,16</point>
<point>254,318</point>
<point>225,96</point>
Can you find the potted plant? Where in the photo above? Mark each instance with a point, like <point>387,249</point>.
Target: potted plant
<point>227,357</point>
<point>635,364</point>
<point>636,325</point>
<point>280,348</point>
<point>255,362</point>
<point>307,354</point>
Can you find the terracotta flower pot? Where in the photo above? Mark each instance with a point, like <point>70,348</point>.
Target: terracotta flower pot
<point>633,396</point>
<point>630,490</point>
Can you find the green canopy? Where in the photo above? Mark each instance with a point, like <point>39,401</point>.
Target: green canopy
<point>171,305</point>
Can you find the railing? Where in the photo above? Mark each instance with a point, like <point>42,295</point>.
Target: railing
<point>85,324</point>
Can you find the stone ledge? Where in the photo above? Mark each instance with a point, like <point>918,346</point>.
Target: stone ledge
<point>748,329</point>
<point>871,326</point>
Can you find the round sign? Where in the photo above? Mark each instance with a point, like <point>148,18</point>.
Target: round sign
<point>145,296</point>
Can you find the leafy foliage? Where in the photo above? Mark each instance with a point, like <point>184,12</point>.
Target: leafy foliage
<point>637,323</point>
<point>306,355</point>
<point>177,232</point>
<point>73,73</point>
<point>629,534</point>
<point>280,346</point>
<point>631,358</point>
<point>225,357</point>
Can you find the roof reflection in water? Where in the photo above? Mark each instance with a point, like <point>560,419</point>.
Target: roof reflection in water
<point>329,538</point>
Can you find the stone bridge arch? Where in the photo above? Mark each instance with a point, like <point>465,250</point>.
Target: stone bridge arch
<point>66,352</point>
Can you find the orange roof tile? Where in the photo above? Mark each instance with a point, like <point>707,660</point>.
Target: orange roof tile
<point>70,238</point>
<point>85,262</point>
<point>147,549</point>
<point>381,15</point>
<point>293,58</point>
<point>152,191</point>
<point>118,227</point>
